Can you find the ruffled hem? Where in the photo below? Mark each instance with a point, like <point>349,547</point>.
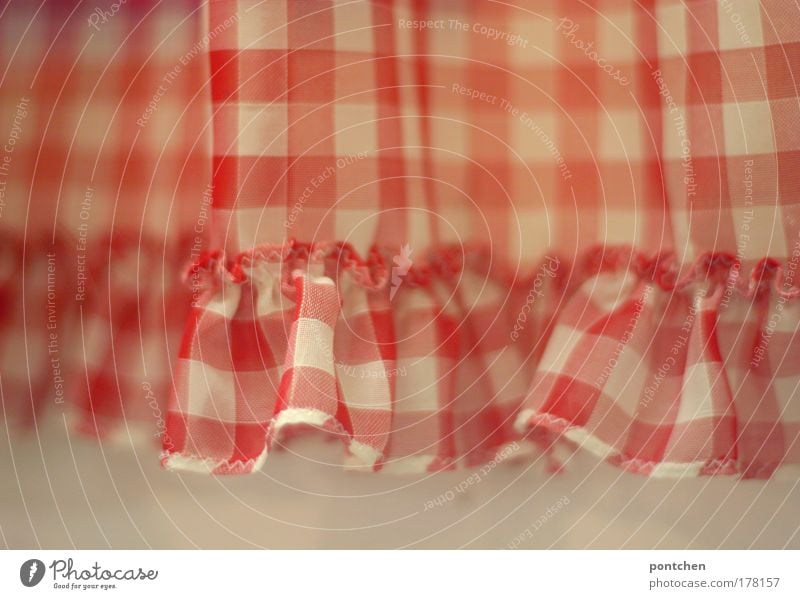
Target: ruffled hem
<point>357,456</point>
<point>660,368</point>
<point>748,279</point>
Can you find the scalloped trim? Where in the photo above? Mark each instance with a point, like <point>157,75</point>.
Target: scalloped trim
<point>584,439</point>
<point>360,458</point>
<point>359,455</point>
<point>190,463</point>
<point>447,263</point>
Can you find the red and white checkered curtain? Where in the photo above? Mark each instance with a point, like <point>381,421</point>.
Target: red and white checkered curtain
<point>103,168</point>
<point>441,231</point>
<point>446,228</point>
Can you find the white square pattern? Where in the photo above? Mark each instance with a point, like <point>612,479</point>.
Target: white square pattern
<point>748,128</point>
<point>210,392</point>
<point>263,130</point>
<point>739,23</point>
<point>671,29</point>
<point>617,37</point>
<point>763,226</point>
<point>365,386</point>
<point>696,397</point>
<point>356,129</point>
<point>354,28</point>
<point>262,26</point>
<point>620,136</point>
<point>314,345</point>
<point>418,388</point>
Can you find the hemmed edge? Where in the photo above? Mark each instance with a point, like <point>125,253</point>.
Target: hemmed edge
<point>182,462</point>
<point>529,419</point>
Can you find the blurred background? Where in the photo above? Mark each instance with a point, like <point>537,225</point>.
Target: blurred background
<point>109,135</point>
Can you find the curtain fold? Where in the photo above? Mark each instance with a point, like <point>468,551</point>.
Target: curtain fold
<point>443,233</point>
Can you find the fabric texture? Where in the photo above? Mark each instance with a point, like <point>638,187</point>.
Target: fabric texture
<point>442,232</point>
<point>102,180</point>
<point>444,228</point>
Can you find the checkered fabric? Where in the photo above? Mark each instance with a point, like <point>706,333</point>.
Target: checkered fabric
<point>103,168</point>
<point>442,228</point>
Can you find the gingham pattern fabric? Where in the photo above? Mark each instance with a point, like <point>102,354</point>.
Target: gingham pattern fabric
<point>104,171</point>
<point>726,72</point>
<point>673,378</point>
<point>446,227</point>
<point>348,121</point>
